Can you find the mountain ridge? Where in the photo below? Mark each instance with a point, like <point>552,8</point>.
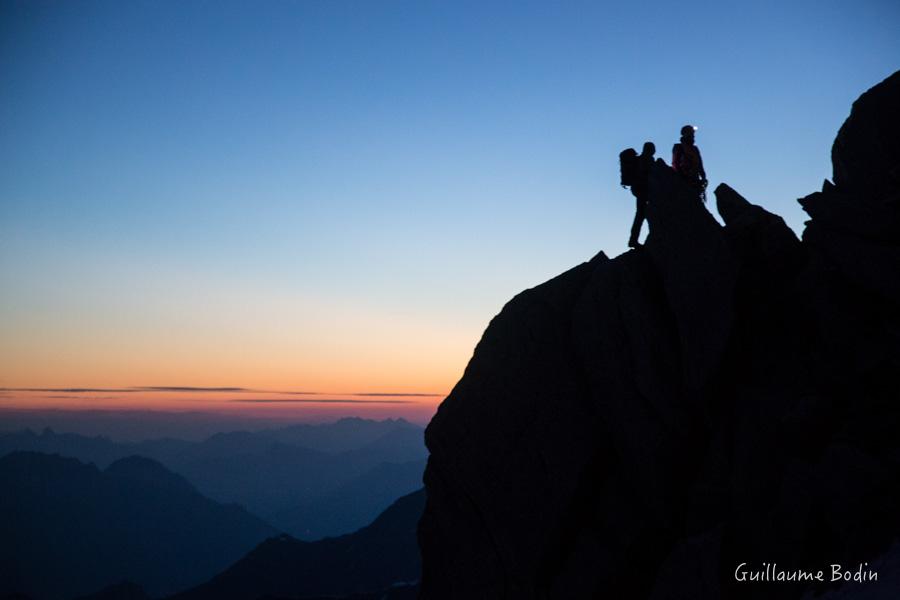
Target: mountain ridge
<point>370,560</point>
<point>268,471</point>
<point>637,426</point>
<point>70,528</point>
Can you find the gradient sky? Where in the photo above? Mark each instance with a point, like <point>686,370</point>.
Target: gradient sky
<point>338,196</point>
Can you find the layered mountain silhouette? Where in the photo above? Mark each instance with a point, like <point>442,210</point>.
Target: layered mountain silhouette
<point>68,529</point>
<point>353,502</point>
<point>303,479</point>
<point>380,560</point>
<point>638,427</point>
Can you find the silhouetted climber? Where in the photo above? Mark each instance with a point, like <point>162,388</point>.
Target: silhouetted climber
<point>686,160</point>
<point>635,170</point>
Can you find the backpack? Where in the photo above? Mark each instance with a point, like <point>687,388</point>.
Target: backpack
<point>628,166</point>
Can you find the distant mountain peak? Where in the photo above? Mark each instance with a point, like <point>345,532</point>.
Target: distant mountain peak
<point>70,529</point>
<point>40,461</point>
<point>369,560</point>
<point>146,470</point>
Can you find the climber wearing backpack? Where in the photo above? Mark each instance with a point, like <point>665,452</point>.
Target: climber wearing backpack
<point>688,163</point>
<point>635,170</point>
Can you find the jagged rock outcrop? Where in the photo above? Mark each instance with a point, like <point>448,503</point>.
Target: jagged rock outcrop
<point>637,427</point>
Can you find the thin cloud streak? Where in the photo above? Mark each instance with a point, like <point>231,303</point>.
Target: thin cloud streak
<point>68,397</point>
<point>187,388</point>
<point>316,401</point>
<point>73,390</point>
<point>211,390</point>
<point>367,394</point>
<point>400,395</point>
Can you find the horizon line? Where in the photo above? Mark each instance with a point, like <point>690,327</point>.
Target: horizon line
<point>202,390</point>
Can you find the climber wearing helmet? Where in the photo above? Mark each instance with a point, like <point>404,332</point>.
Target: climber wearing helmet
<point>687,162</point>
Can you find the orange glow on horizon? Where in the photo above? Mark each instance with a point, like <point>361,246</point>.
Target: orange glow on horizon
<point>373,366</point>
<point>254,403</point>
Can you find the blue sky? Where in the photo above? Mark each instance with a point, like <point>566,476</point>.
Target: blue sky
<point>237,174</point>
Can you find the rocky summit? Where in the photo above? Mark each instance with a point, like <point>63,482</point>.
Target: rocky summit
<point>640,427</point>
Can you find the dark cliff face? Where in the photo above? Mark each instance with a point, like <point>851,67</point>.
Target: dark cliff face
<point>637,427</point>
